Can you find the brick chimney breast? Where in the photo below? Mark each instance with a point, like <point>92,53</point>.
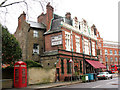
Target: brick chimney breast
<point>21,18</point>
<point>40,17</point>
<point>49,15</point>
<point>68,15</point>
<point>49,6</point>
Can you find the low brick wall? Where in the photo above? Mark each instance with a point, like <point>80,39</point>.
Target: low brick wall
<point>39,75</point>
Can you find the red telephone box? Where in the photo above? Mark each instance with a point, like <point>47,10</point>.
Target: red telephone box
<point>20,74</point>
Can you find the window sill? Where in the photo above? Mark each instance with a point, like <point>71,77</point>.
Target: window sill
<point>35,54</point>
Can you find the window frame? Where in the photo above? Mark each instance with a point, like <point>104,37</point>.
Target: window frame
<point>35,33</point>
<point>68,41</point>
<point>77,40</point>
<point>111,52</point>
<point>35,48</point>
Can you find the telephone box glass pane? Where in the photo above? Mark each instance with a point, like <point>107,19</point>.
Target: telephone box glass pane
<point>23,75</point>
<point>16,75</point>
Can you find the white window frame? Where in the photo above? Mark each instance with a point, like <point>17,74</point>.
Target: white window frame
<point>115,51</point>
<point>35,33</point>
<point>106,51</point>
<point>77,39</point>
<point>36,50</point>
<point>119,52</point>
<point>111,52</point>
<point>67,41</point>
<point>116,59</point>
<point>93,48</point>
<point>86,46</point>
<point>106,59</point>
<point>111,59</point>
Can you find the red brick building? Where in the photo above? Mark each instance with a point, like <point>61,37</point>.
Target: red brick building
<point>67,44</point>
<point>70,45</point>
<point>110,53</point>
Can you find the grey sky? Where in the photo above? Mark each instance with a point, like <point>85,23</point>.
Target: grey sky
<point>102,13</point>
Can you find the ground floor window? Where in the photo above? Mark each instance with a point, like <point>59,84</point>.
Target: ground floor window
<point>62,66</point>
<point>68,67</point>
<point>80,66</point>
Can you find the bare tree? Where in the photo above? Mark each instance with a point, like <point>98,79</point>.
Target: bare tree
<point>8,7</point>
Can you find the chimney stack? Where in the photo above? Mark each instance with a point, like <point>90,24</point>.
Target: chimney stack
<point>49,15</point>
<point>21,18</point>
<point>68,15</point>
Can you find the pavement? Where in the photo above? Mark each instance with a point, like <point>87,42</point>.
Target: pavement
<point>50,85</point>
<point>43,86</point>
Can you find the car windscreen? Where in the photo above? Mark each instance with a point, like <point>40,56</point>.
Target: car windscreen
<point>102,73</point>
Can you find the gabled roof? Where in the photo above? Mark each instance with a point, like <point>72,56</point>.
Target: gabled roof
<point>36,25</point>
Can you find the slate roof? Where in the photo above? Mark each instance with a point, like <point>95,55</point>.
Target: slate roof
<point>36,25</point>
<point>56,24</point>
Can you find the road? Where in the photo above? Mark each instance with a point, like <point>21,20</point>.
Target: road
<point>111,83</point>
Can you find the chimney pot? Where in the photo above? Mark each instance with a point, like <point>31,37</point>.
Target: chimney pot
<point>68,15</point>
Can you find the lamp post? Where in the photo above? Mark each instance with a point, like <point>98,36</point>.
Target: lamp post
<point>70,61</point>
<point>106,61</point>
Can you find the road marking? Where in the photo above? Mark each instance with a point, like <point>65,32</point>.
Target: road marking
<point>97,86</point>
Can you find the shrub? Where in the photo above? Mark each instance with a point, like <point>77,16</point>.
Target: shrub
<point>7,73</point>
<point>31,63</point>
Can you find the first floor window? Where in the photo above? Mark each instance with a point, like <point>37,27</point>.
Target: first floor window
<point>67,41</point>
<point>36,48</point>
<point>86,46</point>
<point>105,51</point>
<point>115,52</point>
<point>115,59</point>
<point>77,44</point>
<point>110,52</point>
<point>35,33</point>
<point>93,48</point>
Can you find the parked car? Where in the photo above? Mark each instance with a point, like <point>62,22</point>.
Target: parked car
<point>104,75</point>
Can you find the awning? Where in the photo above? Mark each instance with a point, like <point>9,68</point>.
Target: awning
<point>96,64</point>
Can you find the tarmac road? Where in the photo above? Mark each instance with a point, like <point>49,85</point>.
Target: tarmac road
<point>111,84</point>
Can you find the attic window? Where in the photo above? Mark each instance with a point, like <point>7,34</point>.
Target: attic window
<point>35,33</point>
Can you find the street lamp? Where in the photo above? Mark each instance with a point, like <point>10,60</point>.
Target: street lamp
<point>70,61</point>
<point>106,61</point>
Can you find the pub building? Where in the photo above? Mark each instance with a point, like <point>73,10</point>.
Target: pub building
<point>67,44</point>
<point>70,46</point>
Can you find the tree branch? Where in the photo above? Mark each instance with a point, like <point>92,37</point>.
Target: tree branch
<point>11,3</point>
<point>3,2</point>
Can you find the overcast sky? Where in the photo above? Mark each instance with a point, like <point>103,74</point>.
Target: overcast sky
<point>102,13</point>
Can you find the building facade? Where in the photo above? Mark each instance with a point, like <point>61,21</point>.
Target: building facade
<point>30,37</point>
<point>67,44</point>
<point>111,53</point>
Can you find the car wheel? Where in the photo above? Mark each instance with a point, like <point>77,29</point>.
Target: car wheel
<point>107,78</point>
<point>111,77</point>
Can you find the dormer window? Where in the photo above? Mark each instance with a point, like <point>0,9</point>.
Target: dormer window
<point>35,33</point>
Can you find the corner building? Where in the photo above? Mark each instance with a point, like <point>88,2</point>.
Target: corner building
<point>70,45</point>
<point>67,44</point>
